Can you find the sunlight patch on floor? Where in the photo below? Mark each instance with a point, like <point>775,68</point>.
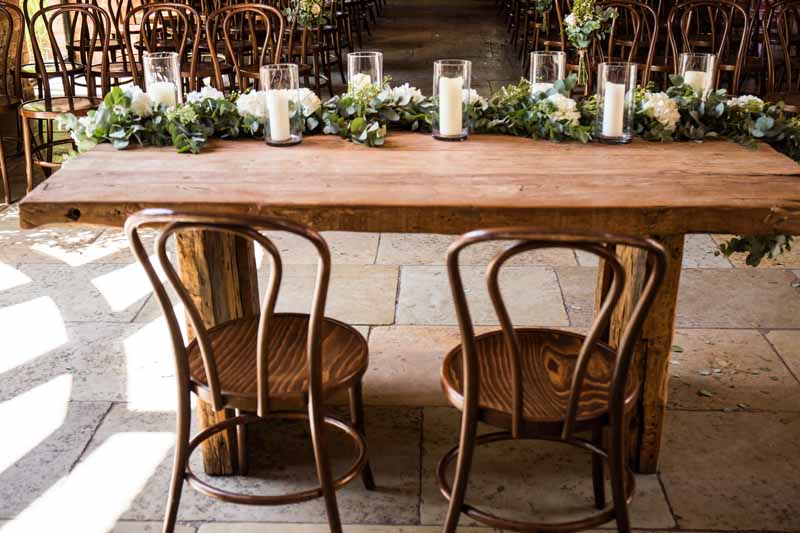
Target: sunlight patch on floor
<point>100,488</point>
<point>21,328</point>
<point>10,277</point>
<point>126,285</point>
<point>47,404</point>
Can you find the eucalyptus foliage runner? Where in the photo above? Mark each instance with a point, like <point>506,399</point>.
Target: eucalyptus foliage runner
<point>364,115</point>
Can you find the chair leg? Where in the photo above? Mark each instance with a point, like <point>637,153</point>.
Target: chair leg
<point>357,419</point>
<point>27,141</point>
<point>241,447</point>
<point>469,426</point>
<point>179,463</point>
<point>616,463</point>
<point>316,420</point>
<point>598,471</point>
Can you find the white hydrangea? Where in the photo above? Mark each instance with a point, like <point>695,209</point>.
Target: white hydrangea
<point>751,103</point>
<point>141,104</point>
<point>566,109</point>
<point>474,99</point>
<point>207,92</point>
<point>253,103</point>
<point>403,94</point>
<point>309,101</point>
<point>360,82</point>
<point>662,108</point>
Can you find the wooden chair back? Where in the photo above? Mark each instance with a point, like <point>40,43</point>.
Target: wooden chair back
<point>12,34</point>
<point>524,240</point>
<point>71,22</point>
<point>248,228</point>
<point>253,36</point>
<point>163,27</point>
<point>632,37</point>
<point>712,26</point>
<point>781,34</point>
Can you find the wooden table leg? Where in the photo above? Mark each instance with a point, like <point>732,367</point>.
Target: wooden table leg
<point>219,271</point>
<point>653,350</point>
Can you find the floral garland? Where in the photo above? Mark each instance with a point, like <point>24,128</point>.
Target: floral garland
<point>364,114</point>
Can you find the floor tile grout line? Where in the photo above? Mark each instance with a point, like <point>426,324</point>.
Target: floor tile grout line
<point>563,299</point>
<point>397,295</point>
<point>377,249</point>
<point>91,437</point>
<point>764,334</point>
<point>420,487</point>
<point>667,499</point>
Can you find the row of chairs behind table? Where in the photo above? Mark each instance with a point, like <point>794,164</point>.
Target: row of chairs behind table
<point>81,50</point>
<point>757,42</point>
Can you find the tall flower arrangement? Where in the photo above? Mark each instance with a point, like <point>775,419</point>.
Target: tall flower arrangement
<point>308,13</point>
<point>586,23</point>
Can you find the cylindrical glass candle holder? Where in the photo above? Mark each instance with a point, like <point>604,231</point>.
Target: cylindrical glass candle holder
<point>284,124</point>
<point>616,87</point>
<point>451,90</point>
<point>546,69</point>
<point>697,71</point>
<point>364,69</point>
<point>162,78</point>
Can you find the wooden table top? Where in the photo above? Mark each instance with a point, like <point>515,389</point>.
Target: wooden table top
<point>416,184</point>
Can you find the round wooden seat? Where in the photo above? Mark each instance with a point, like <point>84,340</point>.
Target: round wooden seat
<point>344,360</point>
<point>547,364</point>
<point>61,104</point>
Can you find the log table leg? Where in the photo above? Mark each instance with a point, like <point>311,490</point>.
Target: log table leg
<point>652,352</point>
<point>219,272</point>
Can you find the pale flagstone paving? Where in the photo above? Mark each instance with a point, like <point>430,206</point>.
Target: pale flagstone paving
<point>87,363</point>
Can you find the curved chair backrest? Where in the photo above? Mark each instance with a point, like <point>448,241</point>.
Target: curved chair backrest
<point>245,227</point>
<point>524,240</point>
<point>86,23</point>
<point>632,37</point>
<point>163,27</point>
<point>249,30</point>
<point>12,25</point>
<point>711,26</point>
<point>782,20</point>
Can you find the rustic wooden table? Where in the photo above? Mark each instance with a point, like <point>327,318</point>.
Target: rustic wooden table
<point>415,184</point>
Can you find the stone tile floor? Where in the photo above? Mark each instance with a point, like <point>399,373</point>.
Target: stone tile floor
<point>87,384</point>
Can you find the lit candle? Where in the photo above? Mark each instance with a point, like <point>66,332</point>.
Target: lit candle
<point>162,92</point>
<point>613,109</point>
<point>696,79</point>
<point>278,109</point>
<point>541,87</point>
<point>451,106</point>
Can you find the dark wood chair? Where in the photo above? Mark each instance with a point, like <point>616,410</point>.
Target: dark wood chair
<point>632,38</point>
<point>538,383</point>
<point>82,19</point>
<point>720,27</point>
<point>781,23</point>
<point>12,30</point>
<point>273,365</point>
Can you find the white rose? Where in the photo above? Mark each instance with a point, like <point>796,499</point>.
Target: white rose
<point>253,103</point>
<point>570,20</point>
<point>207,92</point>
<point>315,9</point>
<point>473,98</point>
<point>309,101</point>
<point>140,102</point>
<point>566,109</point>
<point>662,108</point>
<point>360,82</point>
<point>748,102</point>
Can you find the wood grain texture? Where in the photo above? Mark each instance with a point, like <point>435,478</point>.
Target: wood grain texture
<point>344,359</point>
<point>219,271</point>
<point>415,184</point>
<point>547,361</point>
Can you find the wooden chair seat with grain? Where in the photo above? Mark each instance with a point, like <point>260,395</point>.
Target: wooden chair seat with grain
<point>547,384</point>
<point>548,358</point>
<point>344,360</point>
<point>49,109</point>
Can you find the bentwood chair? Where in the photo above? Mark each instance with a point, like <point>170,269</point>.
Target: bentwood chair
<point>12,30</point>
<point>59,86</point>
<point>538,383</point>
<point>260,28</point>
<point>272,365</point>
<point>720,27</point>
<point>632,37</point>
<point>781,22</point>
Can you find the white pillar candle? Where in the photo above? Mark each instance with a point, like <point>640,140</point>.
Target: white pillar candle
<point>278,109</point>
<point>541,87</point>
<point>162,92</point>
<point>695,79</point>
<point>613,109</point>
<point>451,106</point>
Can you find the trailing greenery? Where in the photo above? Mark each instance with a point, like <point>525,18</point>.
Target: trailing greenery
<point>365,114</point>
